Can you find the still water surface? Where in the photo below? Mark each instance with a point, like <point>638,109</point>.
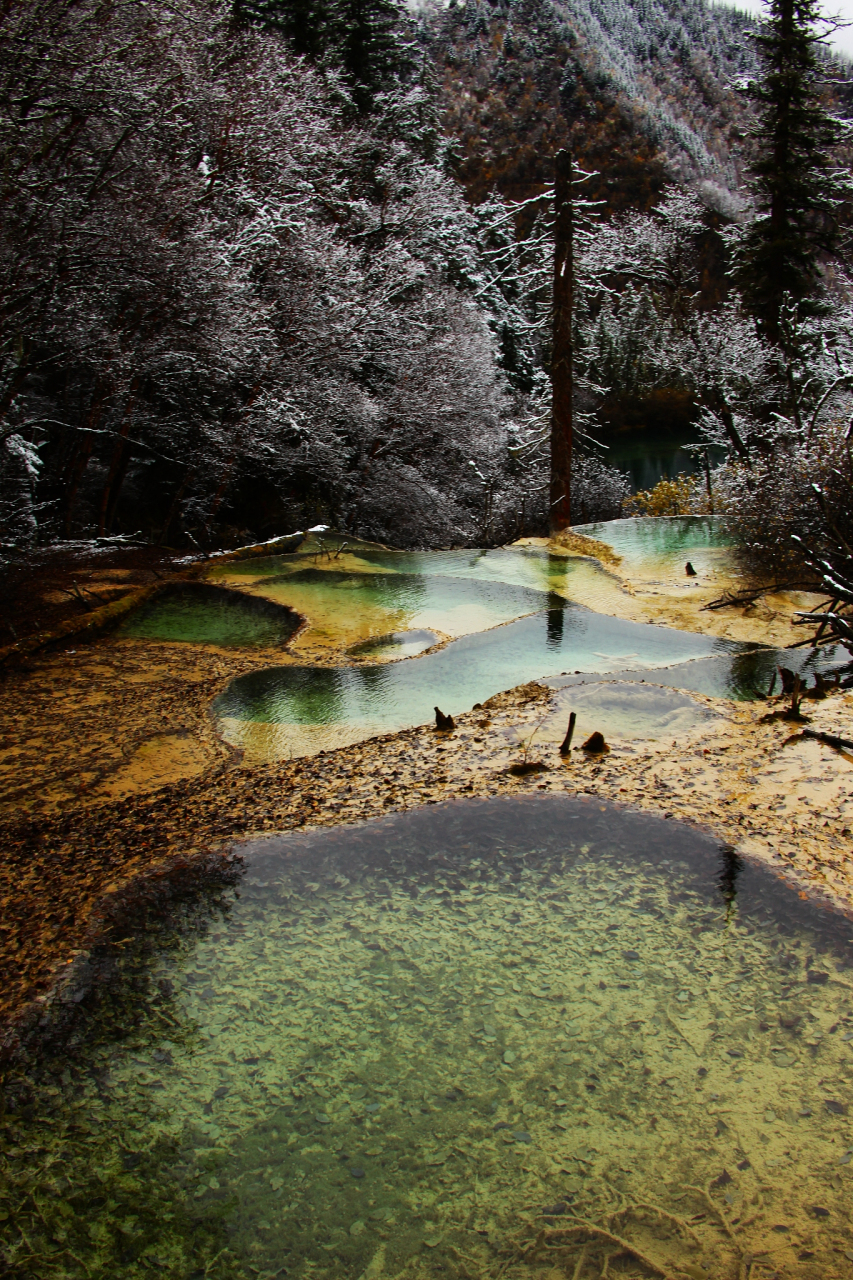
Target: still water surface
<point>409,1046</point>
<point>287,710</point>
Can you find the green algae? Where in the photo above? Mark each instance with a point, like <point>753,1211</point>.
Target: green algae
<point>201,614</point>
<point>412,1045</point>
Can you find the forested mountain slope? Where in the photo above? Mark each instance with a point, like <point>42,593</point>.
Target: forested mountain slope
<point>241,286</point>
<point>644,90</point>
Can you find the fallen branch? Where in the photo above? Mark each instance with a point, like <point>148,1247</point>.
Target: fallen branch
<point>831,739</point>
<point>661,1213</point>
<point>599,1233</point>
<point>715,1209</point>
<point>749,595</point>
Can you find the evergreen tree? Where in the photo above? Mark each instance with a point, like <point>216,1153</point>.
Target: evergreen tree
<point>305,23</point>
<point>367,45</point>
<point>797,187</point>
<point>363,38</point>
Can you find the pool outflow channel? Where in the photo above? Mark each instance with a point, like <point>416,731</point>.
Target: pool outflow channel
<point>408,1047</point>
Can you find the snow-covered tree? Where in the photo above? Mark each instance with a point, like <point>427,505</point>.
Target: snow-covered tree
<point>224,306</point>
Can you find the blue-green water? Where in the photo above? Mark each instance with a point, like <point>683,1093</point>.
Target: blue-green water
<point>404,1048</point>
<point>386,697</point>
<point>663,540</point>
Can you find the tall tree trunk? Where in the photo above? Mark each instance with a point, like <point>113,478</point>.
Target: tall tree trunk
<point>118,468</point>
<point>82,452</point>
<point>561,348</point>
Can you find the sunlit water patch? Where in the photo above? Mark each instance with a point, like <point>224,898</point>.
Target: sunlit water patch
<point>201,614</point>
<point>665,543</point>
<point>619,710</point>
<point>413,1045</point>
<point>400,644</point>
<point>294,710</point>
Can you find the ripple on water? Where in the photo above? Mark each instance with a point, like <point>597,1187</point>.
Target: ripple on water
<point>413,1041</point>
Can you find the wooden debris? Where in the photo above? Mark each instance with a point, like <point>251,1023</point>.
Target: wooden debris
<point>831,739</point>
<point>566,744</point>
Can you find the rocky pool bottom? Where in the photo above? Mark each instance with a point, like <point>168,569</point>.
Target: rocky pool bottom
<point>411,1047</point>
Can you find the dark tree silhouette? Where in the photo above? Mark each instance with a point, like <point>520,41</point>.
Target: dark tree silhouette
<point>797,186</point>
<point>561,348</point>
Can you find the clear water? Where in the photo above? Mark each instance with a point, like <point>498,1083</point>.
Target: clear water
<point>533,568</point>
<point>294,710</point>
<point>409,1046</point>
<point>742,676</point>
<point>359,596</point>
<point>618,710</point>
<point>400,644</point>
<point>201,614</point>
<point>663,543</point>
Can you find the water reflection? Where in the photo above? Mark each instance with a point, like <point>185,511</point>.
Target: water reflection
<point>554,639</point>
<point>469,670</point>
<point>354,606</point>
<point>731,866</point>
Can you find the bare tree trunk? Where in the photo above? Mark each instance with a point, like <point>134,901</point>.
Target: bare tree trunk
<point>561,348</point>
<point>189,476</point>
<point>82,453</point>
<point>118,468</point>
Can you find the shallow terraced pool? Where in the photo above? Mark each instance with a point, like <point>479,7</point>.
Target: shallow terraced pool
<point>415,1047</point>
